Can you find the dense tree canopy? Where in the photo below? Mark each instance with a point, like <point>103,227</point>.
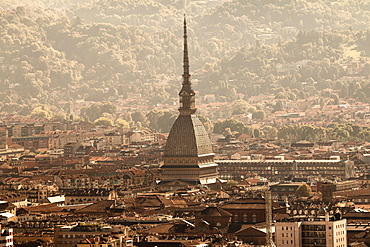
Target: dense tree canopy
<point>105,49</point>
<point>104,52</point>
<point>97,110</point>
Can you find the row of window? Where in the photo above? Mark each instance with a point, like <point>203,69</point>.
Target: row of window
<point>245,218</point>
<point>338,240</point>
<point>340,226</point>
<point>286,228</point>
<point>287,235</point>
<point>287,241</point>
<point>313,228</point>
<point>314,234</point>
<point>339,233</point>
<point>314,242</point>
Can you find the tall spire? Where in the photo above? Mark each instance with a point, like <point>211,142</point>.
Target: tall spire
<point>187,95</point>
<point>186,75</point>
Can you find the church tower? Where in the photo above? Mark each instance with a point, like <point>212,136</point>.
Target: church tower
<point>188,156</point>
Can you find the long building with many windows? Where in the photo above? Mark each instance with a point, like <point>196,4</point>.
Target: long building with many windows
<point>278,169</point>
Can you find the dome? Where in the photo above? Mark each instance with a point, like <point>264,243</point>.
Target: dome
<point>188,138</point>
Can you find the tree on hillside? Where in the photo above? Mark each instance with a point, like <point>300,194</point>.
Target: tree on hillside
<point>259,114</point>
<point>166,121</point>
<point>59,116</point>
<point>139,116</point>
<point>122,123</point>
<point>239,106</point>
<point>161,121</point>
<point>234,125</point>
<point>103,121</point>
<point>304,190</point>
<point>40,112</point>
<point>97,109</point>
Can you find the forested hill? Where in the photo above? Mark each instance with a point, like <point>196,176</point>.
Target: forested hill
<point>58,52</point>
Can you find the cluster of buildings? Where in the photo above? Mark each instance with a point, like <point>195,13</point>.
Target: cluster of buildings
<point>83,186</point>
<point>38,137</point>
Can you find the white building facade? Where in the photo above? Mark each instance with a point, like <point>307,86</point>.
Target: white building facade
<point>309,231</point>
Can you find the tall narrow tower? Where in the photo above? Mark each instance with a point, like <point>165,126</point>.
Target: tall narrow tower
<point>188,155</point>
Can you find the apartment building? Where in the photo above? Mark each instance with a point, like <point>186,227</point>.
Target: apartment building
<point>308,231</point>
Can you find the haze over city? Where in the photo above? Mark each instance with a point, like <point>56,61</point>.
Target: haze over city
<point>184,123</point>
